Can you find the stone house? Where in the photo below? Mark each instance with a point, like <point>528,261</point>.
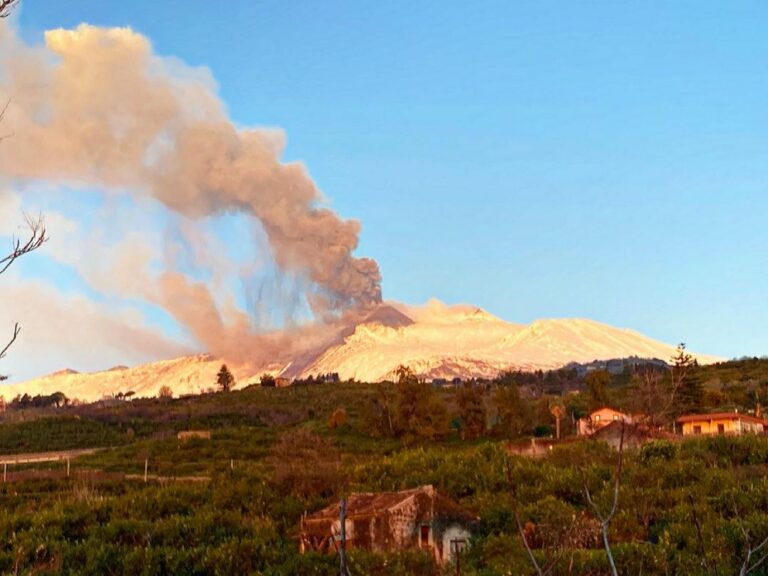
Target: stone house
<point>391,521</point>
<point>626,435</point>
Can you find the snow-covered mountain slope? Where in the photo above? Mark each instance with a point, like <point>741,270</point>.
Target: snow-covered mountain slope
<point>435,340</point>
<point>447,341</point>
<point>187,375</point>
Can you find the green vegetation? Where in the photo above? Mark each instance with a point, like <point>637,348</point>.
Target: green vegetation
<point>275,453</point>
<point>224,379</point>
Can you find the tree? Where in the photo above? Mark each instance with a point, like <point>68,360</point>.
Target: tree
<point>511,410</point>
<point>469,399</point>
<point>557,411</point>
<point>267,381</point>
<point>378,415</point>
<point>604,517</point>
<point>224,379</point>
<point>597,388</point>
<point>686,385</point>
<point>648,392</point>
<point>338,418</point>
<point>37,234</point>
<point>165,393</point>
<point>306,465</point>
<point>418,414</point>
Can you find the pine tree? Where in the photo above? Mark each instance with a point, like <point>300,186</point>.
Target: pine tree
<point>687,389</point>
<point>224,379</point>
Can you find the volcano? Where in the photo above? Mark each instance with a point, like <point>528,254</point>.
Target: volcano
<point>435,340</point>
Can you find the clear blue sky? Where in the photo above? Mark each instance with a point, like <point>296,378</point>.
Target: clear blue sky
<point>606,160</point>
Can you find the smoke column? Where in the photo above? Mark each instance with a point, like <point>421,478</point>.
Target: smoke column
<point>96,107</point>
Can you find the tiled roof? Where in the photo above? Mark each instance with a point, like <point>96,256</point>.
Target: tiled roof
<point>369,504</point>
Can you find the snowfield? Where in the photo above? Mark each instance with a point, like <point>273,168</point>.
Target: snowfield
<point>435,340</point>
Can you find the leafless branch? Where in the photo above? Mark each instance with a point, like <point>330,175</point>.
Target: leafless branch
<point>605,519</point>
<point>2,115</point>
<point>16,330</point>
<point>37,237</point>
<point>551,564</point>
<point>749,550</point>
<point>5,7</point>
<point>520,529</point>
<point>700,540</point>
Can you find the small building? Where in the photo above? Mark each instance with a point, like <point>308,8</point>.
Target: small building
<point>599,419</point>
<point>624,435</point>
<point>186,435</point>
<point>391,521</point>
<point>282,382</point>
<point>724,423</point>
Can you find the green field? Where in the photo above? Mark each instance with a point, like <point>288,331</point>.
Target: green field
<point>275,453</point>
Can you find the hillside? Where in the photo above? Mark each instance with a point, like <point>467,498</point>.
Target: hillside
<point>187,375</point>
<point>233,503</point>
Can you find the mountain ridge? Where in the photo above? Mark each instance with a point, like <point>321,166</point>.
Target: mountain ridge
<point>435,340</point>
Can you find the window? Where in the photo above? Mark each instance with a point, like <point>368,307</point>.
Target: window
<point>424,537</point>
<point>597,417</point>
<point>615,418</point>
<point>697,429</point>
<point>721,428</point>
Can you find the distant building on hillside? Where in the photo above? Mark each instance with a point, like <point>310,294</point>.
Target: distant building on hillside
<point>723,423</point>
<point>391,521</point>
<point>600,419</point>
<point>186,435</point>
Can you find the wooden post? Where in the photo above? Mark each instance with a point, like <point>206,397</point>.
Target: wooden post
<point>146,468</point>
<point>343,568</point>
<point>67,467</point>
<point>5,472</point>
<point>232,464</point>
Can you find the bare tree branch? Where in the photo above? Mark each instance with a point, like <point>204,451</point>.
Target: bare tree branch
<point>5,7</point>
<point>38,236</point>
<point>605,520</point>
<point>749,550</point>
<point>521,530</point>
<point>16,330</point>
<point>559,548</point>
<point>702,550</point>
<point>2,115</point>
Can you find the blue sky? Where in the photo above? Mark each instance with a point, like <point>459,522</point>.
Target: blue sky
<point>539,159</point>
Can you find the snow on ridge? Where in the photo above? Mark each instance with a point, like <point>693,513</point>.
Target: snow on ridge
<point>436,340</point>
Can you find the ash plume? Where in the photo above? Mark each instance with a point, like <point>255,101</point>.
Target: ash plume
<point>95,107</point>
